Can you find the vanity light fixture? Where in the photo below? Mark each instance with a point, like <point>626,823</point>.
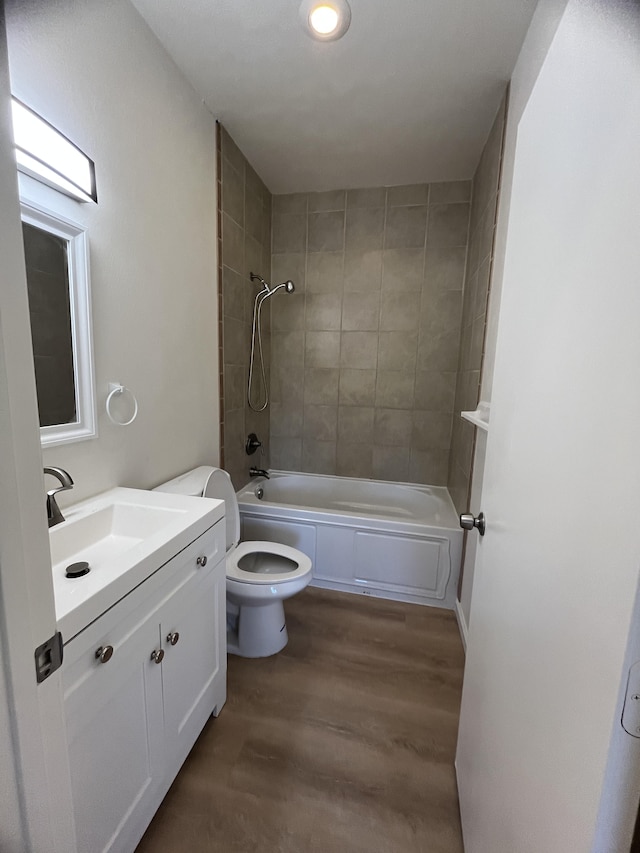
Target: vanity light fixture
<point>46,155</point>
<point>326,20</point>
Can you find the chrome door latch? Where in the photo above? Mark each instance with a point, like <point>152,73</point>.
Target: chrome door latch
<point>468,522</point>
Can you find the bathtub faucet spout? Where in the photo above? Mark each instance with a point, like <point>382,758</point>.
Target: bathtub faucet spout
<point>258,472</point>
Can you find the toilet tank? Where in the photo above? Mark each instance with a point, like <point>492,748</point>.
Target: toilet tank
<point>190,483</point>
<point>217,484</point>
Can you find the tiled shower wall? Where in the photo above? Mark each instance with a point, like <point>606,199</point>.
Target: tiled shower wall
<point>245,228</point>
<point>365,352</point>
<point>486,187</point>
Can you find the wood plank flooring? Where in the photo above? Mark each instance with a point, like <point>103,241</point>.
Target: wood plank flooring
<point>342,743</point>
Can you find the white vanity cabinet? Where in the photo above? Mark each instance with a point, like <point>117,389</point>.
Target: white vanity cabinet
<point>140,682</point>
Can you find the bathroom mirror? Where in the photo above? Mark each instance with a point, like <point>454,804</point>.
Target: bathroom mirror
<point>56,263</point>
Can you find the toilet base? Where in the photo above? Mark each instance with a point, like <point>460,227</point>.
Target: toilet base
<point>261,631</point>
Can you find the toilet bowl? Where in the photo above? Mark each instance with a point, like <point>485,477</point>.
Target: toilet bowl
<point>260,575</point>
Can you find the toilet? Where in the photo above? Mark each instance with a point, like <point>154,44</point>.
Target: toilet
<point>260,575</point>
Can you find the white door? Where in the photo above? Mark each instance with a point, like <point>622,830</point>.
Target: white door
<point>557,570</point>
<point>35,787</point>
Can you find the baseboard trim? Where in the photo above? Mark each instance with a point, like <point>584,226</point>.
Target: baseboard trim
<point>462,625</point>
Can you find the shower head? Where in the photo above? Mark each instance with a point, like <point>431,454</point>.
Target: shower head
<point>289,286</point>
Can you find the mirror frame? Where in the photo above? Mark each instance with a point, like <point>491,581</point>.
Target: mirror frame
<point>85,425</point>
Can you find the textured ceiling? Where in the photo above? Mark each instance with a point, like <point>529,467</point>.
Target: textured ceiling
<point>408,95</point>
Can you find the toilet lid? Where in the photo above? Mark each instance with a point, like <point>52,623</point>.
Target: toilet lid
<point>219,486</point>
<point>266,563</point>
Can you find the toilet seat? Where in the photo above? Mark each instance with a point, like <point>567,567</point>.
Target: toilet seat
<point>268,577</point>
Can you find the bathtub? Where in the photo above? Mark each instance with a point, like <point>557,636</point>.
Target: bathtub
<point>390,540</point>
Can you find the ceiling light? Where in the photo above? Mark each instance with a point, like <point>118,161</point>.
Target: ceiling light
<point>325,20</point>
<point>46,155</point>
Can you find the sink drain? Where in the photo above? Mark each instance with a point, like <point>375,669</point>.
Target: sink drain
<point>76,570</point>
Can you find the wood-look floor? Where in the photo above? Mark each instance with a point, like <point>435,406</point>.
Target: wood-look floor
<point>342,743</point>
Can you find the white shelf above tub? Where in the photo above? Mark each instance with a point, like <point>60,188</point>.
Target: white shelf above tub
<point>480,417</point>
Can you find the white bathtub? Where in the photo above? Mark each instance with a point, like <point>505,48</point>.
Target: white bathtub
<point>391,540</point>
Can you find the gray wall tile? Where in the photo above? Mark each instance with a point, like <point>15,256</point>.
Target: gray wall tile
<point>448,225</point>
<point>323,311</point>
<point>364,229</point>
<point>357,387</point>
<point>231,151</point>
<point>360,312</point>
<point>435,390</point>
<point>287,382</point>
<point>476,289</point>
<point>331,200</point>
<point>354,460</point>
<point>286,453</point>
<point>233,293</point>
<point>431,430</point>
<point>394,389</point>
<point>321,386</point>
<point>429,466</point>
<point>318,457</point>
<point>287,348</point>
<point>326,232</point>
<point>444,267</point>
<point>290,203</point>
<point>393,427</point>
<point>397,350</point>
<point>289,232</point>
<point>399,311</point>
<point>325,272</point>
<point>322,349</point>
<point>232,192</point>
<point>245,208</point>
<point>407,195</point>
<point>405,227</point>
<point>355,424</point>
<point>359,350</point>
<point>232,244</point>
<point>362,270</point>
<point>369,197</point>
<point>286,420</point>
<point>450,191</point>
<point>321,422</point>
<point>287,314</point>
<point>285,267</point>
<point>391,463</point>
<point>403,270</point>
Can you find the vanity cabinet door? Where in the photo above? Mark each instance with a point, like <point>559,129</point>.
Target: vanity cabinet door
<point>115,730</point>
<point>194,665</point>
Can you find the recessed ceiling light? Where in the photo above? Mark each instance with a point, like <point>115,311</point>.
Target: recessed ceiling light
<point>325,20</point>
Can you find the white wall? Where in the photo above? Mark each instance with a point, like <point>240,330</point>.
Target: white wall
<point>96,72</point>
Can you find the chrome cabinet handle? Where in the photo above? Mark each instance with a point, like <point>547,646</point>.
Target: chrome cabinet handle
<point>173,637</point>
<point>468,522</point>
<point>157,655</point>
<point>202,561</point>
<point>104,654</point>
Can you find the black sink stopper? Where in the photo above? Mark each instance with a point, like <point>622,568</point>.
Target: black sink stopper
<point>76,570</point>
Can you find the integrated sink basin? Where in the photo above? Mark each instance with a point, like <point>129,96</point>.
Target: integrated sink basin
<point>125,535</point>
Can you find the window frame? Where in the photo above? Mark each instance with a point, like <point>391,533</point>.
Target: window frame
<point>85,425</point>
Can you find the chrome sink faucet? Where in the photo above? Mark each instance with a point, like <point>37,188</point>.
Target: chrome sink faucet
<point>53,510</point>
